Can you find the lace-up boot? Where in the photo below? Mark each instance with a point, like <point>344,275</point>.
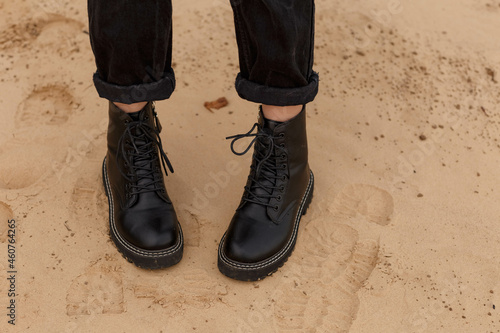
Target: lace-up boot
<point>263,231</point>
<point>142,220</point>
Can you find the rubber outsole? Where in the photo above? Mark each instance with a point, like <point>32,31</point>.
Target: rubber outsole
<point>260,270</point>
<point>141,258</point>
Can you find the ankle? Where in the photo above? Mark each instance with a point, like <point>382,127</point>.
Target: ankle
<point>130,108</point>
<point>280,113</point>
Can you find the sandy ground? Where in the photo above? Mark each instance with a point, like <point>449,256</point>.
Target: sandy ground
<point>403,233</point>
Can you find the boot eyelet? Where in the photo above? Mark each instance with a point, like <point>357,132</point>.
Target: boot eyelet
<point>276,208</point>
<point>283,166</point>
<point>279,198</point>
<point>282,188</point>
<point>283,156</point>
<point>282,135</point>
<point>283,178</point>
<point>282,145</point>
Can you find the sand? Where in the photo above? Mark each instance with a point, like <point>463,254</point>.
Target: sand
<point>402,234</point>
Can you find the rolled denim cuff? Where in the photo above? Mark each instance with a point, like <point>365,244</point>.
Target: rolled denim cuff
<point>144,92</point>
<point>258,93</point>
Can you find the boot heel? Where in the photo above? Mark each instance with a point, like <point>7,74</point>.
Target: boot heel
<point>309,196</point>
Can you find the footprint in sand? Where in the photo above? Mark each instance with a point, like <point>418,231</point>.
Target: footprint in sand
<point>194,288</point>
<point>88,198</point>
<point>6,214</point>
<point>24,165</point>
<point>323,250</point>
<point>191,224</point>
<point>330,265</point>
<point>82,201</point>
<point>88,205</point>
<point>47,105</point>
<point>98,291</point>
<point>52,30</point>
<point>373,203</point>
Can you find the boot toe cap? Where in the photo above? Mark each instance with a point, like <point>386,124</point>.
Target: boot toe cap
<point>244,253</point>
<point>250,240</point>
<point>154,240</point>
<point>151,232</point>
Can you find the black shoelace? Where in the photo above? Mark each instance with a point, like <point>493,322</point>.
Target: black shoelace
<point>266,167</point>
<point>138,148</point>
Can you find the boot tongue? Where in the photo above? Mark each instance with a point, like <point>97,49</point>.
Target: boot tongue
<point>270,125</point>
<point>144,161</point>
<point>267,125</point>
<point>139,115</point>
<point>135,115</point>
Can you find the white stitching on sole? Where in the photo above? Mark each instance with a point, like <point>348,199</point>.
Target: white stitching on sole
<point>280,254</point>
<point>157,254</point>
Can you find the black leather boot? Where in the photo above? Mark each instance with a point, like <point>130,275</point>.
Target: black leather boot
<point>142,221</point>
<point>263,231</point>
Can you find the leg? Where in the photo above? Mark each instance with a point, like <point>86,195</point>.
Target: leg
<point>275,45</point>
<point>280,113</point>
<point>132,44</point>
<point>131,108</point>
<point>275,42</point>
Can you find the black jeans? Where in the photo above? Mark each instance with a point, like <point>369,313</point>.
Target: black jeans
<point>132,44</point>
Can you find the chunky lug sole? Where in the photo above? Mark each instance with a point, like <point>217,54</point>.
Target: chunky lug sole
<point>260,270</point>
<point>140,257</point>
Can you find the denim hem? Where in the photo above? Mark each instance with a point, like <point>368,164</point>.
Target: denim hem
<point>144,92</point>
<point>258,93</point>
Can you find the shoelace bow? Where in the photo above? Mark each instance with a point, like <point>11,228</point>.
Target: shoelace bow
<point>137,146</point>
<point>266,168</point>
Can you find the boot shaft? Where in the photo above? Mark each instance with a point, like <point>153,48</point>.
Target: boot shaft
<point>292,136</point>
<point>133,153</point>
<point>118,120</point>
